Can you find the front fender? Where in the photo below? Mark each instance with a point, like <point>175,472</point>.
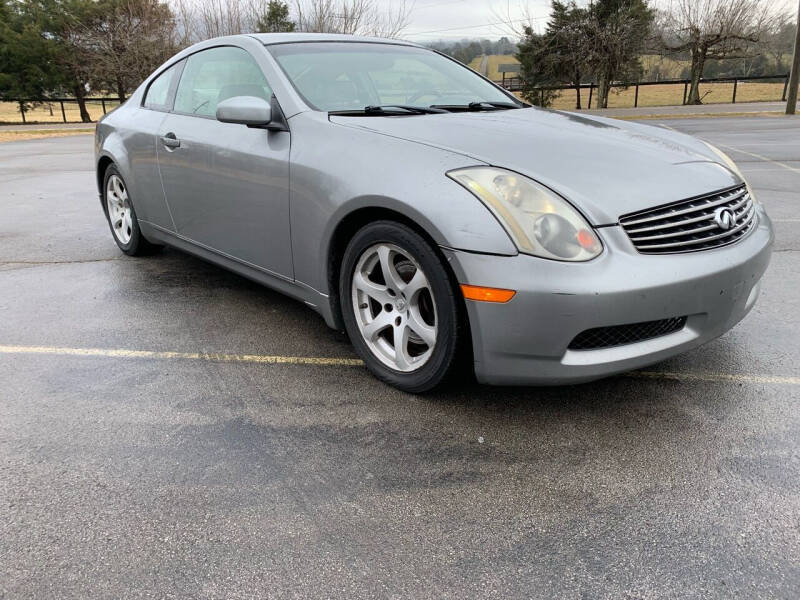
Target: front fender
<point>336,170</point>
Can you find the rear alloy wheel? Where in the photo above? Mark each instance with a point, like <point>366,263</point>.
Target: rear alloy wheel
<point>121,216</point>
<point>398,306</point>
<point>118,206</point>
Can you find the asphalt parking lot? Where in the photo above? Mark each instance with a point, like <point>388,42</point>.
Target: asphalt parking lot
<point>224,461</point>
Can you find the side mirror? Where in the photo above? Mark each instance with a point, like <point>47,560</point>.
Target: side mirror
<point>245,110</point>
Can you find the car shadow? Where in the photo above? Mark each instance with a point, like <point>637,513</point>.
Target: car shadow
<point>190,276</point>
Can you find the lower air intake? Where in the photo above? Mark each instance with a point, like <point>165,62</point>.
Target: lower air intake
<point>619,335</point>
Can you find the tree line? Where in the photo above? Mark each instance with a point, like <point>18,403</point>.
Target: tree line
<point>467,50</point>
<point>603,42</point>
<point>52,48</point>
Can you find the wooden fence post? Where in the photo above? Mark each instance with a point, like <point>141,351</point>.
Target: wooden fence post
<point>636,96</point>
<point>63,114</point>
<point>589,105</point>
<point>733,101</point>
<point>685,90</point>
<point>103,101</point>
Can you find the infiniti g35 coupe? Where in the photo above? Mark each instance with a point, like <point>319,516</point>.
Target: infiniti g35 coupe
<point>431,214</point>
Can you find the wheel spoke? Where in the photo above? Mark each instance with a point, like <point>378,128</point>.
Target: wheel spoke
<point>401,356</point>
<point>418,282</point>
<point>127,223</point>
<point>390,274</point>
<point>374,290</point>
<point>422,329</point>
<point>378,324</point>
<point>118,189</point>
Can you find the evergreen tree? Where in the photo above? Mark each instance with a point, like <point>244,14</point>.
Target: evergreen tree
<point>618,31</point>
<point>556,57</point>
<point>275,19</point>
<point>27,60</point>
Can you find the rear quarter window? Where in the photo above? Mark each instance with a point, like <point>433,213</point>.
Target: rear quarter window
<point>157,95</point>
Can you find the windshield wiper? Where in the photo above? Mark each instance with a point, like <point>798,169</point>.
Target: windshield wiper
<point>499,105</point>
<point>478,106</point>
<point>389,109</point>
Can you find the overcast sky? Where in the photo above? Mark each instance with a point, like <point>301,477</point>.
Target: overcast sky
<point>456,19</point>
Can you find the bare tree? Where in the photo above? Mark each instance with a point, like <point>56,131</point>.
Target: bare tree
<point>203,19</point>
<point>356,17</point>
<point>185,21</point>
<point>514,19</point>
<point>779,43</point>
<point>122,41</point>
<point>715,29</point>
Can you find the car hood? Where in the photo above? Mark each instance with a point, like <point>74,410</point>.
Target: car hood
<point>606,168</point>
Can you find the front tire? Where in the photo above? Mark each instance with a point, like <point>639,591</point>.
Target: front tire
<point>121,216</point>
<point>399,308</point>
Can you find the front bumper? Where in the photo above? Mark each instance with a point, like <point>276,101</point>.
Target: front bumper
<point>525,341</point>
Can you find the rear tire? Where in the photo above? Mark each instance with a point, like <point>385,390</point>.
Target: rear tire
<point>121,216</point>
<point>399,307</point>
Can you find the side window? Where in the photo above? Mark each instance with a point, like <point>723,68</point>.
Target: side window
<point>217,74</point>
<point>157,95</point>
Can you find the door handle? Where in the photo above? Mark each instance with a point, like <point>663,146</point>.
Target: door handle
<point>170,141</point>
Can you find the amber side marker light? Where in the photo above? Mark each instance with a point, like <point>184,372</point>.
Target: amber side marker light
<point>486,294</point>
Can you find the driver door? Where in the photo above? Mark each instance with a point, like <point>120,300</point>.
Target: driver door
<point>227,185</point>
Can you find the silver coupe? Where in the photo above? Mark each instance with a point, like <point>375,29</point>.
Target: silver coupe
<point>429,213</point>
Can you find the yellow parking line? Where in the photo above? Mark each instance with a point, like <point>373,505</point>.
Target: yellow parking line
<point>354,362</point>
<point>210,356</point>
<point>715,377</point>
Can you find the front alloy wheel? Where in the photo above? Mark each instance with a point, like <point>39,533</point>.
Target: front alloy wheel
<point>394,307</point>
<point>398,306</point>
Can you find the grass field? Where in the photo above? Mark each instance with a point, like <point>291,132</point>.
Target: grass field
<point>492,66</point>
<point>51,112</point>
<point>655,95</point>
<point>667,67</point>
<point>35,134</point>
<point>672,94</point>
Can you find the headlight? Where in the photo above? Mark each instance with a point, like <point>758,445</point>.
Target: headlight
<point>732,166</point>
<point>539,221</point>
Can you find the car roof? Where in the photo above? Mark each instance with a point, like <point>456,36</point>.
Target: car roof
<point>286,38</point>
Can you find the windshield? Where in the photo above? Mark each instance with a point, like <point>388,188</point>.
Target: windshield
<point>341,76</point>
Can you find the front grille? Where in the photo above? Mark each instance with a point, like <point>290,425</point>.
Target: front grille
<point>618,335</point>
<point>690,225</point>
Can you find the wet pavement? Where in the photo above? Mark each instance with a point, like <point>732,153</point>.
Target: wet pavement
<point>163,475</point>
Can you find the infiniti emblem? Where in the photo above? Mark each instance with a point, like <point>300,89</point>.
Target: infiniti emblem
<point>400,304</point>
<point>724,218</point>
